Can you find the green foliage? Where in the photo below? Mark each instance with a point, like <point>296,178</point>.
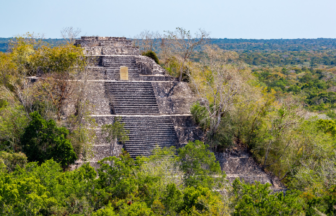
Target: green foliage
<point>310,86</point>
<point>135,209</point>
<point>46,190</point>
<point>172,65</point>
<point>127,187</point>
<point>327,126</point>
<point>268,121</point>
<point>105,211</point>
<point>258,199</point>
<point>223,138</point>
<point>331,114</point>
<point>43,140</point>
<point>199,200</point>
<point>200,166</point>
<point>148,186</point>
<point>172,198</point>
<point>117,175</point>
<point>116,131</point>
<point>200,115</point>
<point>10,161</point>
<point>152,55</point>
<point>3,103</point>
<point>13,121</point>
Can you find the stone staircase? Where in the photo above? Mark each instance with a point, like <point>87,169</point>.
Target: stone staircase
<point>132,98</point>
<point>146,132</point>
<point>136,103</point>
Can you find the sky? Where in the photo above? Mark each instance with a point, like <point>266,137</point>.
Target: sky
<point>257,19</point>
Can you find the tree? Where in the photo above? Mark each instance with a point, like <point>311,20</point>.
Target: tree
<point>258,199</point>
<point>13,121</point>
<point>43,140</point>
<point>115,133</point>
<point>184,44</point>
<point>70,34</point>
<point>152,55</point>
<point>200,166</point>
<point>148,41</point>
<point>11,160</point>
<point>217,84</point>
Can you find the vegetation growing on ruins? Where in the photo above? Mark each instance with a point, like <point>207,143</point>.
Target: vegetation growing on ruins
<point>281,110</point>
<point>280,107</point>
<point>151,54</point>
<point>25,106</point>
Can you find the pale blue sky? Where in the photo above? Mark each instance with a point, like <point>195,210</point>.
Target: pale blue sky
<point>222,18</point>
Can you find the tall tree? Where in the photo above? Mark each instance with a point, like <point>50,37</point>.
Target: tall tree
<point>184,44</point>
<point>43,140</point>
<point>216,85</point>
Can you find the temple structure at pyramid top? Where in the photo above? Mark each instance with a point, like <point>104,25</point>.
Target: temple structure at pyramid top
<point>116,52</point>
<point>108,46</point>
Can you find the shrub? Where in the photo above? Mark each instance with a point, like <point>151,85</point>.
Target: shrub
<point>43,140</point>
<point>152,55</point>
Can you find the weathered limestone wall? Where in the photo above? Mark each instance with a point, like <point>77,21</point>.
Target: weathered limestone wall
<point>186,129</point>
<point>173,97</point>
<point>98,98</point>
<point>239,163</point>
<point>96,46</point>
<point>101,148</point>
<point>148,66</point>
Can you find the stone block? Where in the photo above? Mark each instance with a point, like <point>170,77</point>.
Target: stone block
<point>123,73</point>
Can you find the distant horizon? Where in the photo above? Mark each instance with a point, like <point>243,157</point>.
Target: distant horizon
<point>208,38</point>
<point>240,19</point>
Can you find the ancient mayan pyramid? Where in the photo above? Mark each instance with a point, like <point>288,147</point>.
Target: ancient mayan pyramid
<point>152,104</point>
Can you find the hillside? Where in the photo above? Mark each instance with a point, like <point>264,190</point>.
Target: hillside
<point>107,128</point>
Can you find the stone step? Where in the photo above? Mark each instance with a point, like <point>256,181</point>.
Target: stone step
<point>157,138</point>
<point>135,106</point>
<point>154,128</point>
<point>126,87</point>
<point>132,98</point>
<point>131,92</point>
<point>143,100</point>
<point>145,143</point>
<point>135,112</point>
<point>138,98</point>
<point>146,133</point>
<point>122,103</point>
<point>116,85</point>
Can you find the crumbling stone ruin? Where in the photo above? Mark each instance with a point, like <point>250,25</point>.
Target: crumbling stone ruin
<point>153,105</point>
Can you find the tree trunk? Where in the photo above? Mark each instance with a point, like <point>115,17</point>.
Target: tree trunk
<point>112,146</point>
<point>181,71</point>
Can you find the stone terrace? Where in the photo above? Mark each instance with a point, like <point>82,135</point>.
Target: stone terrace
<point>153,105</point>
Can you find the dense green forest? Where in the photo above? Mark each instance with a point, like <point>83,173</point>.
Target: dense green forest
<point>282,112</point>
<point>246,45</point>
<point>4,43</point>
